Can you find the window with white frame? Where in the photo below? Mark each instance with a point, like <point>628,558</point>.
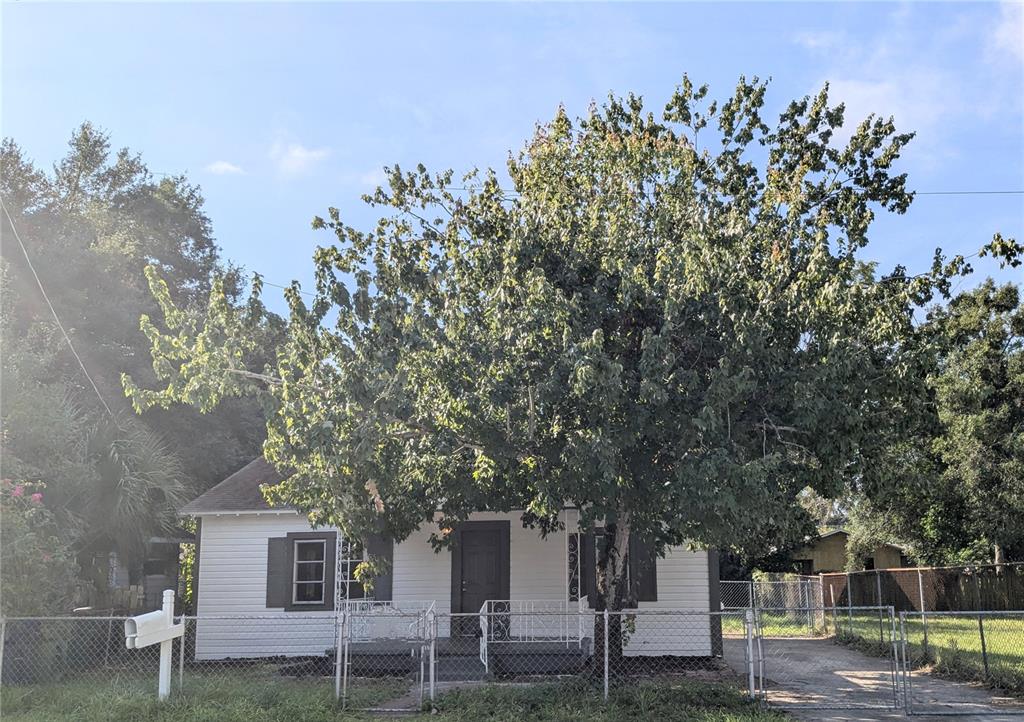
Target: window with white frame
<point>309,574</point>
<point>351,556</point>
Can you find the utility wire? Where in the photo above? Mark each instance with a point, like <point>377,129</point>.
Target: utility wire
<point>968,193</point>
<point>510,193</point>
<point>56,318</point>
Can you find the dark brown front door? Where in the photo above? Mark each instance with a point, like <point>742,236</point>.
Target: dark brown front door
<point>480,568</point>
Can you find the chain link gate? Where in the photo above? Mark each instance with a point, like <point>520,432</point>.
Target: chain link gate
<point>945,655</point>
<point>799,665</point>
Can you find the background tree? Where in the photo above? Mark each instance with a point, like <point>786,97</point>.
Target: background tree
<point>91,226</point>
<point>960,496</point>
<point>665,321</point>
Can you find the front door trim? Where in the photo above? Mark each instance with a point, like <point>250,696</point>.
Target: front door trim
<point>504,528</point>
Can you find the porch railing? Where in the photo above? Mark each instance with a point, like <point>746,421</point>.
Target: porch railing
<point>377,618</point>
<point>531,620</point>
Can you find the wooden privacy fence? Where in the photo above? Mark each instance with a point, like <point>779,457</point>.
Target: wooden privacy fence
<point>933,589</point>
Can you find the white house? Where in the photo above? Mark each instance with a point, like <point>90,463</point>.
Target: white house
<point>507,580</point>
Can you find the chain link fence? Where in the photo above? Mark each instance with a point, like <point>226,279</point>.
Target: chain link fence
<point>972,647</point>
<point>383,658</point>
<point>374,659</point>
<point>41,658</point>
<point>790,606</point>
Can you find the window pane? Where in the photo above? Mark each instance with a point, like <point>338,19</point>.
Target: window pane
<point>309,572</point>
<point>309,551</point>
<point>310,592</point>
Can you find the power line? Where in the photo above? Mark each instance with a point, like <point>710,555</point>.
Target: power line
<point>56,318</point>
<point>286,288</point>
<point>511,193</point>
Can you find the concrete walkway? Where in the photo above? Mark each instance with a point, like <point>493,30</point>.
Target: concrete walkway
<point>801,674</point>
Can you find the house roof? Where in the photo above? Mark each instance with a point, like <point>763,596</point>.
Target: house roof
<point>239,492</point>
<point>833,532</point>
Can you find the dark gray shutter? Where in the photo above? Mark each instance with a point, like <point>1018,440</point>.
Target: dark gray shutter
<point>279,573</point>
<point>382,547</point>
<point>643,570</point>
<point>714,602</point>
<point>588,557</point>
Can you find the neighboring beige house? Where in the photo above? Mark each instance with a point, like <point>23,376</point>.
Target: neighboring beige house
<point>827,553</point>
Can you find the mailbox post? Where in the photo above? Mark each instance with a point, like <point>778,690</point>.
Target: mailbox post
<point>153,628</point>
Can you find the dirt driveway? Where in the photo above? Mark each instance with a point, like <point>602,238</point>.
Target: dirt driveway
<point>801,674</point>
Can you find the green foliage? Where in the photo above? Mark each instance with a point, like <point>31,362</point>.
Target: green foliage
<point>961,496</point>
<point>90,227</point>
<point>666,321</point>
<point>36,567</point>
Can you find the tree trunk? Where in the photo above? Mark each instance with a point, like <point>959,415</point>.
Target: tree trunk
<point>612,590</point>
<point>998,557</point>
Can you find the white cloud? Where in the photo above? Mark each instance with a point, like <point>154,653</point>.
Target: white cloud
<point>376,177</point>
<point>294,158</point>
<point>818,39</point>
<point>897,72</point>
<point>1009,33</point>
<point>223,167</point>
<point>913,97</point>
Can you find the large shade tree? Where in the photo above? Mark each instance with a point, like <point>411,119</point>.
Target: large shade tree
<point>665,321</point>
<point>90,226</point>
<point>961,493</point>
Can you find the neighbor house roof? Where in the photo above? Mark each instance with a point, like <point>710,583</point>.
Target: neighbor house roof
<point>239,492</point>
<point>832,532</point>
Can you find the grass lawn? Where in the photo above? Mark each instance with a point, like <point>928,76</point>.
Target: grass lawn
<point>234,697</point>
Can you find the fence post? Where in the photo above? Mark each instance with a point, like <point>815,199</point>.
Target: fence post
<point>337,654</point>
<point>849,601</point>
<point>878,600</point>
<point>908,697</point>
<point>605,655</point>
<point>3,641</point>
<point>924,617</point>
<point>984,650</point>
<point>832,597</point>
<point>750,653</point>
<point>181,655</point>
<point>433,652</point>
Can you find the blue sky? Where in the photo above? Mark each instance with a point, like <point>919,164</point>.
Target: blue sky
<point>279,111</point>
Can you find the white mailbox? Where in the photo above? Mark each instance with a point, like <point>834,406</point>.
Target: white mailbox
<point>151,628</point>
<point>156,628</point>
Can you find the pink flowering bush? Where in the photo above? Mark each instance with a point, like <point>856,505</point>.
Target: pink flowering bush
<point>37,570</point>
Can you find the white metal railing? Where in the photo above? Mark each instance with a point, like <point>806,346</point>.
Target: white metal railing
<point>372,618</point>
<point>483,637</point>
<point>531,620</point>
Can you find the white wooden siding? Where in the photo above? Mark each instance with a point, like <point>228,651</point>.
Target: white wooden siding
<point>233,584</point>
<point>233,580</point>
<point>682,585</point>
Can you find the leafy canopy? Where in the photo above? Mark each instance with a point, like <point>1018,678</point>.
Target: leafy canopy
<point>665,321</point>
<point>91,226</point>
<point>962,497</point>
